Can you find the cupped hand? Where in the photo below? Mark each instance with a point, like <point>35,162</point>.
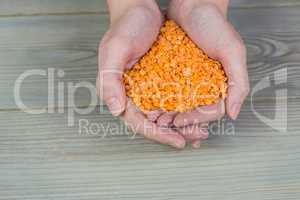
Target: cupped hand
<point>129,38</point>
<point>207,26</point>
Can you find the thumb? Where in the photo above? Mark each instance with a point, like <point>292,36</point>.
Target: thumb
<point>234,61</point>
<point>114,54</point>
<point>112,91</point>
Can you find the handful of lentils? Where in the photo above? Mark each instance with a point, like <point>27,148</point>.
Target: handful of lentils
<point>175,75</point>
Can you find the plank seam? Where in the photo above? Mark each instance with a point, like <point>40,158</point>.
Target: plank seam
<point>106,12</point>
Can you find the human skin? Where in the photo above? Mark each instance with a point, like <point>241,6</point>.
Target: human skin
<point>206,24</point>
<point>134,27</point>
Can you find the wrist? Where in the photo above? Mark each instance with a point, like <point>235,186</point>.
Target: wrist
<point>118,8</point>
<point>220,4</point>
<point>182,5</point>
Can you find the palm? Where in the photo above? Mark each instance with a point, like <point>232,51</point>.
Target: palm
<point>131,36</point>
<point>209,29</point>
<point>126,41</point>
<point>207,26</point>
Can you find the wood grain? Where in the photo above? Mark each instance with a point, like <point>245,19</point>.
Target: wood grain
<point>41,157</point>
<point>84,168</point>
<point>40,42</point>
<point>63,7</point>
<point>56,7</point>
<point>248,124</point>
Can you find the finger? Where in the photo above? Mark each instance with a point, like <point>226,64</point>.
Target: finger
<point>194,132</point>
<point>139,124</point>
<point>234,61</point>
<point>206,22</point>
<point>114,55</point>
<point>166,119</point>
<point>154,115</point>
<point>196,144</point>
<point>200,115</point>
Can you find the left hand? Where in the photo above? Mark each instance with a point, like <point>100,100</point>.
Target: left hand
<point>134,27</point>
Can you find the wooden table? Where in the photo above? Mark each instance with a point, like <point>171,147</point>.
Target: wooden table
<point>41,157</point>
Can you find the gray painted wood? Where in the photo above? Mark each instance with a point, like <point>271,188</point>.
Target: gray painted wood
<point>42,7</point>
<point>40,42</point>
<point>54,7</point>
<point>247,125</point>
<point>42,158</point>
<point>84,168</point>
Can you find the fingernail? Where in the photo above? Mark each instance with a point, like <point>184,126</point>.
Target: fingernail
<point>204,134</point>
<point>180,144</point>
<point>179,122</point>
<point>152,117</point>
<point>196,144</point>
<point>175,122</point>
<point>114,106</point>
<point>164,123</point>
<point>235,109</point>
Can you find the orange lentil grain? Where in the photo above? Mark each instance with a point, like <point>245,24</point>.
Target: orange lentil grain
<point>175,75</point>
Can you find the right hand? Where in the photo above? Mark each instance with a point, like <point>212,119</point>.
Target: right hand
<point>206,24</point>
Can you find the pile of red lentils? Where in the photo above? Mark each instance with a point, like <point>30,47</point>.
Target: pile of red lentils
<point>175,75</point>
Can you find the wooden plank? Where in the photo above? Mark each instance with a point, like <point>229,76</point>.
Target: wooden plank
<point>42,158</point>
<point>231,168</point>
<point>54,7</point>
<point>69,43</point>
<point>44,7</point>
<point>60,42</point>
<point>271,19</point>
<point>262,3</point>
<point>248,125</point>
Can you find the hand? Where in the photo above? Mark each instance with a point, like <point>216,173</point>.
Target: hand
<point>206,24</point>
<point>134,27</point>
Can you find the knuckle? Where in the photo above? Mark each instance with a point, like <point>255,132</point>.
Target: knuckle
<point>197,8</point>
<point>113,39</point>
<point>222,112</point>
<point>205,11</point>
<point>141,11</point>
<point>208,9</point>
<point>240,46</point>
<point>201,15</point>
<point>114,42</point>
<point>102,86</point>
<point>104,40</point>
<point>245,90</point>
